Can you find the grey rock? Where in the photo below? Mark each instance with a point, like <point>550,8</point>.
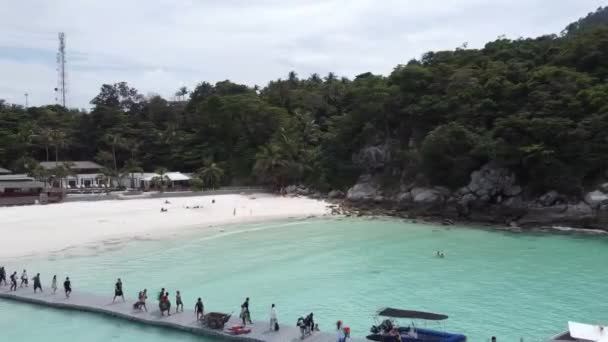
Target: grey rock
<point>596,198</point>
<point>336,194</point>
<point>404,197</point>
<point>551,198</point>
<point>363,192</point>
<point>373,157</point>
<point>574,214</point>
<point>511,191</point>
<point>426,196</point>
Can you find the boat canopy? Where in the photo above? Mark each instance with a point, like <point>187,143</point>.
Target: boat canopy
<point>398,313</point>
<point>588,332</point>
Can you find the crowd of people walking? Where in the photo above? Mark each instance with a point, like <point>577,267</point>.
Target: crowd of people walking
<point>306,325</point>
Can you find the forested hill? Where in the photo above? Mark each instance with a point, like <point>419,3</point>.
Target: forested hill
<point>537,106</point>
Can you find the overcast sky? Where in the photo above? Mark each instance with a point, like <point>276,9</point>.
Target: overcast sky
<point>159,45</point>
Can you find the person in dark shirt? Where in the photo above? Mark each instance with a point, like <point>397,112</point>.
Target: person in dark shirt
<point>118,290</point>
<point>246,313</point>
<point>37,283</point>
<point>14,281</point>
<point>2,275</point>
<point>178,302</point>
<point>161,294</point>
<point>198,309</point>
<point>67,287</point>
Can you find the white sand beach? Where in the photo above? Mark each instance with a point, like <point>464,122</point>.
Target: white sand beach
<point>39,229</point>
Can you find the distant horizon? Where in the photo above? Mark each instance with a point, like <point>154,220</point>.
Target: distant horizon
<point>162,47</point>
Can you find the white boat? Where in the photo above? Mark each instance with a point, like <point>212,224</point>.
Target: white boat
<point>580,332</point>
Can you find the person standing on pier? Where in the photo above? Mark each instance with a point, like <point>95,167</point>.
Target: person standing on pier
<point>178,302</point>
<point>2,276</point>
<point>246,313</point>
<point>274,323</point>
<point>118,291</point>
<point>14,281</point>
<point>67,287</point>
<point>37,284</point>
<point>54,284</point>
<point>199,309</point>
<point>23,279</point>
<point>161,294</point>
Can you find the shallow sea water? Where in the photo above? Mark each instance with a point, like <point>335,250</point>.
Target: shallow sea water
<point>510,285</point>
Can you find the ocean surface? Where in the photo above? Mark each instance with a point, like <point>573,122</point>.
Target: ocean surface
<point>510,285</point>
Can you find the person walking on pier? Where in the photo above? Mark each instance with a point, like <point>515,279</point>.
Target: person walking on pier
<point>23,279</point>
<point>118,291</point>
<point>178,302</point>
<point>67,287</point>
<point>274,323</point>
<point>246,313</point>
<point>14,281</point>
<point>199,309</point>
<point>54,284</point>
<point>37,284</point>
<point>2,276</point>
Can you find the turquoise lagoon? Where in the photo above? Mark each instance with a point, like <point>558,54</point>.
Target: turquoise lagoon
<point>511,285</point>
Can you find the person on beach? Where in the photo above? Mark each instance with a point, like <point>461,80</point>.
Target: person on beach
<point>178,302</point>
<point>37,284</point>
<point>2,276</point>
<point>274,324</point>
<point>199,309</point>
<point>14,281</point>
<point>54,284</point>
<point>118,291</point>
<point>23,279</point>
<point>67,287</point>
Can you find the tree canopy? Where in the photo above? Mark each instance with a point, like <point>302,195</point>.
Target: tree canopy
<point>537,105</point>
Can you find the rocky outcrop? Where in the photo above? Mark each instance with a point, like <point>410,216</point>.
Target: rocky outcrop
<point>579,214</point>
<point>492,196</point>
<point>596,199</point>
<point>373,157</point>
<point>366,190</point>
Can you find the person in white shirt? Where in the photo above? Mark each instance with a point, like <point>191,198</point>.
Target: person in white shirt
<point>23,279</point>
<point>273,318</point>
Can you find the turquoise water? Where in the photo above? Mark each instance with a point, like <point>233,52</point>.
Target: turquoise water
<point>490,283</point>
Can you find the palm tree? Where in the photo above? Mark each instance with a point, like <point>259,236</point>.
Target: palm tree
<point>270,165</point>
<point>211,175</point>
<point>129,169</point>
<point>61,172</point>
<point>183,91</point>
<point>162,178</point>
<point>114,141</point>
<point>59,140</point>
<point>45,136</point>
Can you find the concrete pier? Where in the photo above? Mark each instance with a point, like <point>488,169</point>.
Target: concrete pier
<point>184,321</point>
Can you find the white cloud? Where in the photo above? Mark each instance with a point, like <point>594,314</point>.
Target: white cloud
<point>158,46</point>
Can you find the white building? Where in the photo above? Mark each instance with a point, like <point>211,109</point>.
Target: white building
<point>86,174</point>
<point>146,180</point>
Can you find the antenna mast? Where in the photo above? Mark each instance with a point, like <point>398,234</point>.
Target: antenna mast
<point>61,71</point>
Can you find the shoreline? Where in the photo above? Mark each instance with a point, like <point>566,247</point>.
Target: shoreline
<point>36,230</point>
<point>350,209</point>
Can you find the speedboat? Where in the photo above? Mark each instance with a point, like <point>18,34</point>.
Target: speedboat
<point>388,331</point>
<point>579,332</point>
